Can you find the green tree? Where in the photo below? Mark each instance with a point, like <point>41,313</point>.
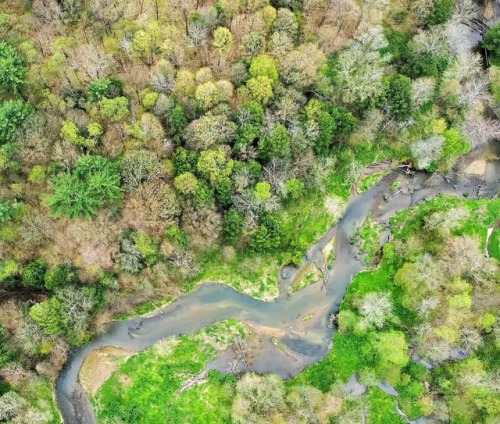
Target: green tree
<point>186,183</point>
<point>12,69</point>
<point>441,11</point>
<point>232,225</point>
<point>60,276</point>
<point>268,234</point>
<point>264,66</point>
<point>262,191</point>
<point>492,43</point>
<point>8,210</point>
<point>48,315</point>
<point>208,94</point>
<point>250,121</point>
<point>147,248</point>
<point>115,109</point>
<point>214,165</point>
<point>261,88</point>
<point>106,88</point>
<point>34,273</point>
<point>276,144</point>
<point>399,96</point>
<point>13,113</point>
<point>9,271</point>
<point>184,161</point>
<point>223,40</point>
<point>94,182</point>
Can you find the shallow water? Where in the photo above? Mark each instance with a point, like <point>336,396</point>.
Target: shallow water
<point>306,342</point>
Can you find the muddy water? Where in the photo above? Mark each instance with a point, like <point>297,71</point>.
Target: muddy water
<point>305,342</point>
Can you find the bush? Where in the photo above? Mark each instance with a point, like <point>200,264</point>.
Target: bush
<point>268,235</point>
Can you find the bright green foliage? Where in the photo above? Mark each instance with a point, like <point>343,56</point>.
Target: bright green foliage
<point>208,94</point>
<point>34,273</point>
<point>60,276</point>
<point>441,12</point>
<point>94,182</point>
<point>455,145</point>
<point>392,354</point>
<point>399,97</point>
<point>214,165</point>
<point>13,113</point>
<point>276,144</point>
<point>12,69</point>
<point>150,100</point>
<point>264,66</point>
<point>9,269</point>
<point>294,189</point>
<point>177,122</point>
<point>37,174</point>
<point>147,248</point>
<point>71,133</point>
<point>268,235</point>
<point>261,88</point>
<point>492,43</point>
<point>263,191</point>
<point>186,183</point>
<point>114,109</point>
<point>223,191</point>
<point>8,210</point>
<point>232,225</point>
<point>48,315</point>
<point>223,40</point>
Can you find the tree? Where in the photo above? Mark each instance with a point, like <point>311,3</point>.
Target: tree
<point>214,165</point>
<point>8,210</point>
<point>263,191</point>
<point>208,94</point>
<point>253,44</point>
<point>376,309</point>
<point>261,88</point>
<point>268,234</point>
<point>105,88</point>
<point>137,168</point>
<point>94,182</point>
<point>49,315</point>
<point>34,273</point>
<point>13,113</point>
<point>12,69</point>
<point>209,131</point>
<point>300,67</point>
<point>276,144</point>
<point>115,109</point>
<point>223,40</point>
<point>232,225</point>
<point>250,120</point>
<point>441,12</point>
<point>399,97</point>
<point>186,183</point>
<point>492,43</point>
<point>60,276</point>
<point>264,66</point>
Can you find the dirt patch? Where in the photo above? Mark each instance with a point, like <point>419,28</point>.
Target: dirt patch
<point>99,366</point>
<point>478,167</point>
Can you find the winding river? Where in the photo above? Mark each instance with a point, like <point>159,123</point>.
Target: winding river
<point>306,341</point>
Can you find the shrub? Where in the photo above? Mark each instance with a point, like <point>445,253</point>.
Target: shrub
<point>13,113</point>
<point>12,69</point>
<point>60,276</point>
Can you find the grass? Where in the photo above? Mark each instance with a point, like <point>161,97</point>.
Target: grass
<point>370,180</point>
<point>251,274</point>
<point>306,276</point>
<point>145,308</point>
<point>143,385</point>
<point>368,237</point>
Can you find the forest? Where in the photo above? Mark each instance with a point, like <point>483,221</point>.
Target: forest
<point>148,146</point>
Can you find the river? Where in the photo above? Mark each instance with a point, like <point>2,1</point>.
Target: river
<point>306,341</point>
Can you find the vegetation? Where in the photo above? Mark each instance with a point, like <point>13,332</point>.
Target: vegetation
<point>148,146</point>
